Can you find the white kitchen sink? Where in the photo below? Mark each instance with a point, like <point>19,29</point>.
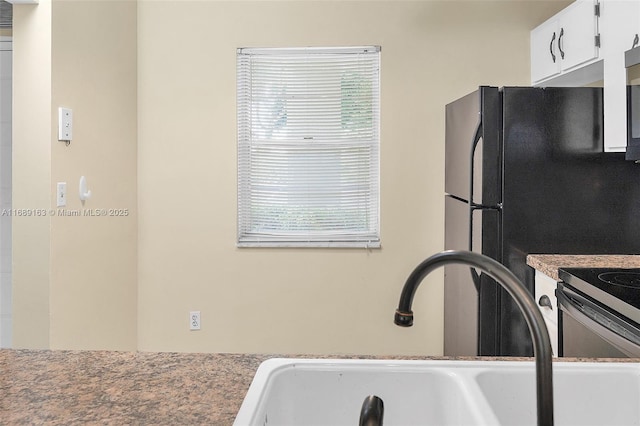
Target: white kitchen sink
<point>304,392</point>
<point>584,393</point>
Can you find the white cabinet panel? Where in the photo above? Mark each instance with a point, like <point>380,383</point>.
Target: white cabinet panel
<point>619,21</point>
<point>565,41</point>
<point>545,61</point>
<point>577,37</point>
<point>545,286</point>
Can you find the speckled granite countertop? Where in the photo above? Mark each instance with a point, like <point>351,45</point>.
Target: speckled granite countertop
<point>126,388</point>
<point>122,388</point>
<point>550,263</point>
<point>130,388</point>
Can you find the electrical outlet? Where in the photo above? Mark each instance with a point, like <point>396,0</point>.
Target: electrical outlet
<point>194,320</point>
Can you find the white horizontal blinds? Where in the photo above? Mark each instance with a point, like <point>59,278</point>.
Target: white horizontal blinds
<point>308,146</point>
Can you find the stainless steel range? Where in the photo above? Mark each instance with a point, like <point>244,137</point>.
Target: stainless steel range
<point>599,312</point>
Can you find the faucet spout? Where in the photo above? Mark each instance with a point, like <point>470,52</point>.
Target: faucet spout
<point>524,301</point>
<point>372,411</point>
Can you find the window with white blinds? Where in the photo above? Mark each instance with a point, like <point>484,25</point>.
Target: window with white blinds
<point>308,146</point>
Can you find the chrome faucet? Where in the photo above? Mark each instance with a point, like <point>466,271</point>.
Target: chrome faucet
<point>533,317</point>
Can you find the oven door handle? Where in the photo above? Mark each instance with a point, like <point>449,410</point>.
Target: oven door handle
<point>600,321</point>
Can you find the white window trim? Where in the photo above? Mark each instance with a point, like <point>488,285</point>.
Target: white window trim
<point>362,238</point>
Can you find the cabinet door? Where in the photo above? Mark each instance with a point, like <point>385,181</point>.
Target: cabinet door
<point>545,58</point>
<point>618,25</point>
<point>578,29</point>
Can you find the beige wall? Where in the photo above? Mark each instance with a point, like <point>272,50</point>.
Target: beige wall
<point>305,300</point>
<point>31,173</point>
<point>159,129</point>
<point>75,277</point>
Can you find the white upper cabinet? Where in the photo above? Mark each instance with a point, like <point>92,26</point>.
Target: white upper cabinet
<point>545,61</point>
<point>566,41</point>
<point>585,43</point>
<point>619,22</point>
<point>578,37</point>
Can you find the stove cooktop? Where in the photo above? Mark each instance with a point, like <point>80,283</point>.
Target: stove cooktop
<point>616,288</point>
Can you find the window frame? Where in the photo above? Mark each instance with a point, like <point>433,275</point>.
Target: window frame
<point>368,237</point>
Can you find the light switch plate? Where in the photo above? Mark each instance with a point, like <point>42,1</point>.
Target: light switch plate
<point>61,194</point>
<point>65,124</point>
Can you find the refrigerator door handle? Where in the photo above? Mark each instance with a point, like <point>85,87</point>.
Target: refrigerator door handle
<point>472,206</point>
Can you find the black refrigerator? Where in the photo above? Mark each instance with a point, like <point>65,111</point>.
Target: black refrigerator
<point>526,173</point>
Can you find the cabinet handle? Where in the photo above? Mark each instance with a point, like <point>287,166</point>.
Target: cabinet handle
<point>544,301</point>
<point>560,43</point>
<point>553,55</point>
<point>635,41</point>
